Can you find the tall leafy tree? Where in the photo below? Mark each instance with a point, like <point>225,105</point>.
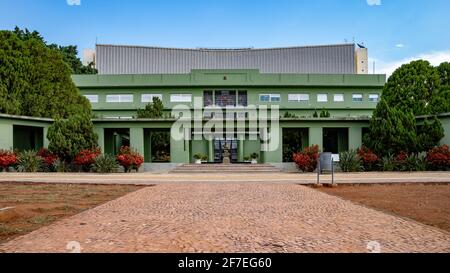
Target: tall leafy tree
<point>69,53</point>
<point>153,109</point>
<point>35,80</point>
<point>414,89</point>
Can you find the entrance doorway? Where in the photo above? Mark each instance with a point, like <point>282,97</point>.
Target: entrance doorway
<point>218,149</point>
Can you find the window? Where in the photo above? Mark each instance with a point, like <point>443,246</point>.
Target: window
<point>119,98</point>
<point>149,97</point>
<point>208,98</point>
<point>374,97</point>
<point>242,98</point>
<point>322,97</point>
<point>298,97</point>
<point>92,98</point>
<point>357,97</point>
<point>270,98</point>
<point>181,98</point>
<point>225,98</point>
<point>338,97</point>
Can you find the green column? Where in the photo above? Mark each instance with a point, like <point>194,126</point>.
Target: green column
<point>137,139</point>
<point>6,140</point>
<point>46,142</point>
<point>210,150</point>
<point>101,138</point>
<point>316,137</point>
<point>354,137</point>
<point>241,150</point>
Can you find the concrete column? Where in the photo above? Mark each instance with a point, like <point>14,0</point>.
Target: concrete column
<point>137,139</point>
<point>7,138</point>
<point>46,141</point>
<point>241,150</point>
<point>316,137</point>
<point>210,150</point>
<point>354,138</point>
<point>101,138</point>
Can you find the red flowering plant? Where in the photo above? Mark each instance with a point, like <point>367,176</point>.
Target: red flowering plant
<point>438,158</point>
<point>369,159</point>
<point>129,159</point>
<point>306,160</point>
<point>7,159</point>
<point>86,158</point>
<point>48,158</point>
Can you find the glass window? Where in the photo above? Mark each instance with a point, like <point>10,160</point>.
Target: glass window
<point>322,97</point>
<point>357,97</point>
<point>225,98</point>
<point>208,98</point>
<point>338,97</point>
<point>264,98</point>
<point>119,98</point>
<point>242,98</point>
<point>181,98</point>
<point>149,97</point>
<point>92,98</point>
<point>275,97</point>
<point>374,97</point>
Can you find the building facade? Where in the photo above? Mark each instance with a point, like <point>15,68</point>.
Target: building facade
<point>276,101</point>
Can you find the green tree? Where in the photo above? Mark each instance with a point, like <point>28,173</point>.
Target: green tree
<point>70,136</point>
<point>35,81</point>
<point>153,109</point>
<point>69,53</point>
<point>429,135</point>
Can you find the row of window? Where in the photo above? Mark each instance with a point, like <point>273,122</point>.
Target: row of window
<point>320,97</point>
<point>122,98</point>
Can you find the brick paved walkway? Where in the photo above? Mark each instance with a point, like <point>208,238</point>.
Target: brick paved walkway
<point>208,217</point>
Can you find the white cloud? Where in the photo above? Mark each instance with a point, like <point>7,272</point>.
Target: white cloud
<point>374,2</point>
<point>435,58</point>
<point>400,45</point>
<point>73,2</point>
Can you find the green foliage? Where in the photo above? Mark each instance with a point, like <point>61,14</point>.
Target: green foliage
<point>69,137</point>
<point>289,115</point>
<point>413,163</point>
<point>388,163</point>
<point>61,166</point>
<point>429,135</point>
<point>29,162</point>
<point>325,114</point>
<point>315,115</point>
<point>350,162</point>
<point>35,80</point>
<point>254,156</point>
<point>153,110</point>
<point>105,164</point>
<point>69,53</point>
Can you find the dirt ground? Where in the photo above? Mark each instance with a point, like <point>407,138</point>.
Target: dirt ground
<point>428,204</point>
<point>32,206</point>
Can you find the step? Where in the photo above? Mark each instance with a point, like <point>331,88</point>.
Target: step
<point>220,168</point>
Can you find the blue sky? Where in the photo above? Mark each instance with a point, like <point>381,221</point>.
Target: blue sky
<point>395,31</point>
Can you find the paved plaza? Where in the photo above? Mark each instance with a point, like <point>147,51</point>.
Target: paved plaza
<point>232,217</point>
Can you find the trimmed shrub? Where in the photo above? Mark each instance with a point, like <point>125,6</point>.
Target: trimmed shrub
<point>129,159</point>
<point>306,160</point>
<point>7,159</point>
<point>368,158</point>
<point>350,162</point>
<point>86,158</point>
<point>105,164</point>
<point>438,158</point>
<point>29,162</point>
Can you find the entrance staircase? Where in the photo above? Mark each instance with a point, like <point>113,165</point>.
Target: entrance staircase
<point>220,168</point>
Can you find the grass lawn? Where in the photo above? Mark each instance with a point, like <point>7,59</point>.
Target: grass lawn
<point>35,205</point>
<point>428,204</point>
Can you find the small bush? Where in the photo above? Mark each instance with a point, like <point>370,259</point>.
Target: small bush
<point>29,162</point>
<point>306,160</point>
<point>86,158</point>
<point>350,162</point>
<point>105,164</point>
<point>405,162</point>
<point>388,163</point>
<point>129,159</point>
<point>61,166</point>
<point>369,159</point>
<point>438,158</point>
<point>48,159</point>
<point>7,159</point>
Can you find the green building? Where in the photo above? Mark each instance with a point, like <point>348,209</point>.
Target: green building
<point>313,95</point>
